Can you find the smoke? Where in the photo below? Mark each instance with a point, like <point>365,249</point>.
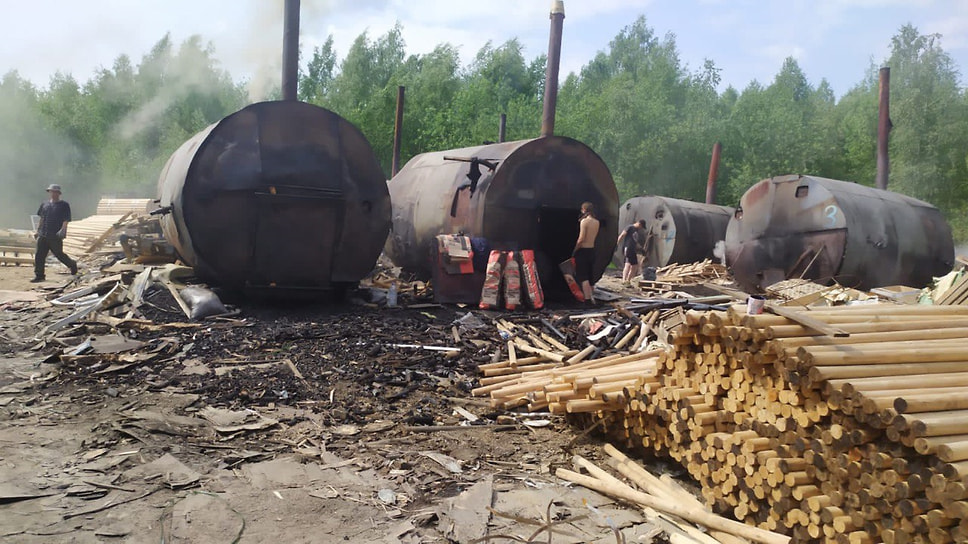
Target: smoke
<point>192,70</point>
<point>32,156</point>
<point>263,51</point>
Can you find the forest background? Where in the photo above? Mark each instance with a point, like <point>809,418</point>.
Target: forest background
<point>652,119</point>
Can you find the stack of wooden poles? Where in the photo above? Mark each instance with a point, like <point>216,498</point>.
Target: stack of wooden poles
<point>846,425</point>
<point>551,376</point>
<point>851,429</point>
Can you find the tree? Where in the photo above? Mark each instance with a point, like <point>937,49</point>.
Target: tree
<point>652,121</point>
<point>928,141</point>
<point>35,149</point>
<point>316,83</point>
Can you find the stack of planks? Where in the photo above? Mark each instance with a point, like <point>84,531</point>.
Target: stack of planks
<point>16,247</point>
<point>683,274</point>
<point>957,294</point>
<point>85,235</point>
<point>856,438</point>
<point>121,206</point>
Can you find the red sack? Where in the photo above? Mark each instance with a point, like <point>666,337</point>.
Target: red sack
<point>532,284</point>
<point>512,282</point>
<point>491,292</point>
<point>568,270</point>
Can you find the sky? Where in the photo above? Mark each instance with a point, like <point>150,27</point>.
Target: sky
<point>747,39</point>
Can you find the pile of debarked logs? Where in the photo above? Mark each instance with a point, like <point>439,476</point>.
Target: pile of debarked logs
<point>837,424</point>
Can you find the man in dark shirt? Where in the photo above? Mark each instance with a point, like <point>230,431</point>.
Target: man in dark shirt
<point>54,214</point>
<point>634,237</point>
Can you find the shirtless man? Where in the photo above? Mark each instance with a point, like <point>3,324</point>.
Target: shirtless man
<point>585,250</point>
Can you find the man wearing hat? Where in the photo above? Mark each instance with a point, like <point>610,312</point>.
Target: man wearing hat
<point>54,214</point>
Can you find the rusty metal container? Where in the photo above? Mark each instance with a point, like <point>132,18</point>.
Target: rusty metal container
<point>678,231</point>
<point>823,229</point>
<point>529,200</point>
<point>277,195</point>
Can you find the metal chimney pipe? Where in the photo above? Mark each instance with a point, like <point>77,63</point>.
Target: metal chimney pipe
<point>502,129</point>
<point>397,132</point>
<point>883,128</point>
<point>290,50</point>
<point>551,73</point>
<point>713,174</point>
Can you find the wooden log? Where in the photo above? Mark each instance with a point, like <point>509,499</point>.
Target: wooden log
<point>517,371</point>
<point>820,373</point>
<point>632,332</point>
<point>881,310</point>
<point>933,423</point>
<point>953,450</point>
<point>578,406</point>
<point>943,380</point>
<point>581,355</point>
<point>923,332</point>
<point>807,321</point>
<point>559,357</point>
<point>931,402</point>
<point>646,329</point>
<point>617,489</point>
<point>887,355</point>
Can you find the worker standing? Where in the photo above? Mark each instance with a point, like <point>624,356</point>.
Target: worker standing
<point>634,236</point>
<point>54,214</point>
<point>584,252</point>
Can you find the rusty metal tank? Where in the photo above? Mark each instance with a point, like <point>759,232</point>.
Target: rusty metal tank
<point>677,231</point>
<point>277,195</point>
<point>828,230</point>
<point>527,196</point>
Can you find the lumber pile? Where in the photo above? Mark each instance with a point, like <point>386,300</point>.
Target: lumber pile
<point>860,437</point>
<point>672,276</point>
<point>663,494</point>
<point>541,372</point>
<point>122,206</point>
<point>85,235</point>
<point>956,294</point>
<point>16,247</point>
<point>840,424</point>
<point>692,273</point>
<point>801,292</point>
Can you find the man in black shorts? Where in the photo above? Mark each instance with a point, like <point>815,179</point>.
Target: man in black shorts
<point>54,214</point>
<point>634,236</point>
<point>584,253</point>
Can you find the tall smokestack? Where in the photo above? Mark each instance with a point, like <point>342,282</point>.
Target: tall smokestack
<point>397,132</point>
<point>290,50</point>
<point>883,128</point>
<point>502,128</point>
<point>551,74</point>
<point>713,174</point>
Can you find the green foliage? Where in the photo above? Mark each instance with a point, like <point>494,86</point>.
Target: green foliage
<point>653,120</point>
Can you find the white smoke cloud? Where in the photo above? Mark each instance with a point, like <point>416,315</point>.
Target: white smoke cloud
<point>263,51</point>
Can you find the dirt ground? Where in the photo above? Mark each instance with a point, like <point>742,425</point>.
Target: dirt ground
<point>300,423</point>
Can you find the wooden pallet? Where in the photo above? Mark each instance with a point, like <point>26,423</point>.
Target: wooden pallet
<point>956,295</point>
